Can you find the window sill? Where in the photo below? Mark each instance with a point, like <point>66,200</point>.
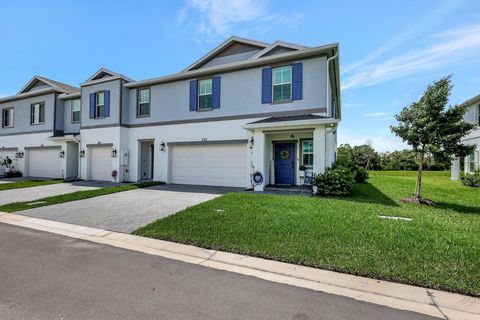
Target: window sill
<point>204,110</point>
<point>281,101</point>
<point>37,124</point>
<point>143,116</point>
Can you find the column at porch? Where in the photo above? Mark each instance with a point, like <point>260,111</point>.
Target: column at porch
<point>319,150</point>
<point>455,170</point>
<point>258,157</point>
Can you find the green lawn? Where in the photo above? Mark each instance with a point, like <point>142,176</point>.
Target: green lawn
<point>79,195</point>
<point>439,248</point>
<point>27,184</point>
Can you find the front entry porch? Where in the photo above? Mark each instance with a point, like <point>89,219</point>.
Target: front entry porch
<point>285,151</point>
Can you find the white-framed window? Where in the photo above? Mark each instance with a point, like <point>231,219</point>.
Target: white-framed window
<point>307,153</point>
<point>472,161</point>
<point>76,110</point>
<point>143,106</point>
<point>7,118</point>
<point>205,94</point>
<point>282,83</point>
<point>37,113</point>
<point>100,104</point>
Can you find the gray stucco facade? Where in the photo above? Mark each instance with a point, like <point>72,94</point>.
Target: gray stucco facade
<point>240,95</point>
<point>68,125</point>
<point>21,115</point>
<point>115,88</point>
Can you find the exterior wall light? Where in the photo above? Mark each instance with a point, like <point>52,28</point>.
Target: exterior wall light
<point>292,137</point>
<point>114,153</point>
<point>19,154</point>
<point>82,153</point>
<point>162,146</point>
<point>250,142</point>
<point>62,154</point>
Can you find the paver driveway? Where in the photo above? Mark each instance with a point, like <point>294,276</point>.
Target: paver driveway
<point>129,210</point>
<point>34,193</point>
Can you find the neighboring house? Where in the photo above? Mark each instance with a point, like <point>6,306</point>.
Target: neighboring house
<point>246,106</point>
<point>473,138</point>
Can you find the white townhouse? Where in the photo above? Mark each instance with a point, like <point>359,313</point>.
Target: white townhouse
<point>473,138</point>
<point>246,106</point>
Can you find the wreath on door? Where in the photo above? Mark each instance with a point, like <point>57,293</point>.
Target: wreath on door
<point>284,154</point>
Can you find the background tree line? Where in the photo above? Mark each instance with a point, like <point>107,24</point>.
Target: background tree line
<point>405,160</point>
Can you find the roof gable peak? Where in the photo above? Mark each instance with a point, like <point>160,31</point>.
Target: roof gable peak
<point>39,83</point>
<point>244,45</point>
<point>104,73</point>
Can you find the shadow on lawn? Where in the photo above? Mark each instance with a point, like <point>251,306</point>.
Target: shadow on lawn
<point>460,208</point>
<point>367,193</point>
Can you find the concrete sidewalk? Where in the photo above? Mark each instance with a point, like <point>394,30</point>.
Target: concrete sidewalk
<point>434,303</point>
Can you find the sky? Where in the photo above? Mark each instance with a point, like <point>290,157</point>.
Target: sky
<point>389,50</point>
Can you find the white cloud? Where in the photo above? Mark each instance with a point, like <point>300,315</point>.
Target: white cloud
<point>382,141</point>
<point>219,17</point>
<point>450,47</point>
<point>409,33</point>
<point>376,114</point>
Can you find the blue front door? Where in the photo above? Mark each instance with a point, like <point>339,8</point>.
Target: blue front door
<point>284,163</point>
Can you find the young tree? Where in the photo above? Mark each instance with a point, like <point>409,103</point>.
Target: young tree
<point>431,128</point>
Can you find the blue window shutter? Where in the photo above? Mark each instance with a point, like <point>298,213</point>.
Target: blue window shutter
<point>267,85</point>
<point>92,105</point>
<point>216,92</point>
<point>107,103</point>
<point>297,76</point>
<point>193,95</point>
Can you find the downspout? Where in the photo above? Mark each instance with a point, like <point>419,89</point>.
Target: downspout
<point>328,82</point>
<point>328,100</point>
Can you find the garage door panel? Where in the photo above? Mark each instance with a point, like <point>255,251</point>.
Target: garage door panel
<point>44,163</point>
<point>217,165</point>
<point>100,163</point>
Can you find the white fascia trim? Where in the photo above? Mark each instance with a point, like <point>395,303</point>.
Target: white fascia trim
<point>299,54</point>
<point>66,96</point>
<point>473,100</point>
<point>278,44</point>
<point>28,95</point>
<point>101,80</point>
<point>290,124</point>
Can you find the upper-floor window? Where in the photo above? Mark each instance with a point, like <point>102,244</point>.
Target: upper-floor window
<point>37,113</point>
<point>7,118</point>
<point>205,94</point>
<point>143,102</point>
<point>307,153</point>
<point>100,105</point>
<point>76,110</point>
<point>282,83</point>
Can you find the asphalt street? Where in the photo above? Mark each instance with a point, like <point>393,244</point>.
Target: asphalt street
<point>48,276</point>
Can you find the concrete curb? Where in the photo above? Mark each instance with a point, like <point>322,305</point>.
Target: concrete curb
<point>435,303</point>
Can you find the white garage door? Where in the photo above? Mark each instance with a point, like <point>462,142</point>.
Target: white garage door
<point>44,163</point>
<point>100,163</point>
<point>214,165</point>
<point>3,155</point>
